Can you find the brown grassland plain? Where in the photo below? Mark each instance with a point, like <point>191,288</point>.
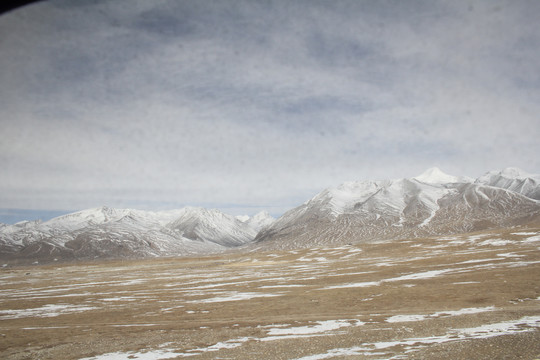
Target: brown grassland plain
<point>472,296</point>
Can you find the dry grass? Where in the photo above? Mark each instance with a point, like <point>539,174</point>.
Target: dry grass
<point>329,302</point>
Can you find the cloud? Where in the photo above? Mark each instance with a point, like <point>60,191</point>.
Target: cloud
<point>258,104</point>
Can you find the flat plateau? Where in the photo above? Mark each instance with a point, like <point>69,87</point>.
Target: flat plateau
<point>472,296</point>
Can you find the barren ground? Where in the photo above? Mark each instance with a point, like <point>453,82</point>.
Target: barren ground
<point>474,296</point>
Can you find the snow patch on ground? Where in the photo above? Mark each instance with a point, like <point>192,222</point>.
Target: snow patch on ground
<point>495,242</point>
<point>353,285</point>
<point>148,355</point>
<point>275,332</point>
<point>407,318</point>
<point>421,275</point>
<point>473,238</point>
<point>510,255</point>
<point>50,310</point>
<point>121,298</point>
<point>333,353</point>
<point>414,276</point>
<point>133,325</point>
<point>229,344</point>
<point>234,296</point>
<point>321,327</point>
<point>525,324</point>
<point>532,239</point>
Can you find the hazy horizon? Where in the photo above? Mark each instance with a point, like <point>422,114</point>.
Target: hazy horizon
<point>12,216</point>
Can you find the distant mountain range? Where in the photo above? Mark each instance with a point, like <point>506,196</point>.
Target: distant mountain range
<point>432,203</point>
<point>120,233</point>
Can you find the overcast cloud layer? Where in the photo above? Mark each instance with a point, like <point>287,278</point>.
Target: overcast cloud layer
<point>251,105</point>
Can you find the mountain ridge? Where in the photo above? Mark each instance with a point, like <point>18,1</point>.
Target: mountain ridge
<point>432,203</point>
<point>105,232</point>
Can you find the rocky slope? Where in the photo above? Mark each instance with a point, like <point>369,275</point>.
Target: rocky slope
<point>432,203</point>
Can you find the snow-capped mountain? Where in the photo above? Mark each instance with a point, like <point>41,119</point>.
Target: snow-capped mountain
<point>119,233</point>
<point>260,221</point>
<point>513,179</point>
<point>432,203</point>
<point>200,224</point>
<point>436,176</point>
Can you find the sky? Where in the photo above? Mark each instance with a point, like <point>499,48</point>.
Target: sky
<point>257,105</point>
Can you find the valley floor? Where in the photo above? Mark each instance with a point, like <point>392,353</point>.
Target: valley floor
<point>474,296</point>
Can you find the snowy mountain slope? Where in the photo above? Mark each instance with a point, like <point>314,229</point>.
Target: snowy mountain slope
<point>260,221</point>
<point>200,224</point>
<point>430,204</point>
<point>122,233</point>
<point>513,179</point>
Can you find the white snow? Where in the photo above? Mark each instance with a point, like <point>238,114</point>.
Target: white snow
<point>466,311</point>
<point>45,327</point>
<point>243,218</point>
<point>510,255</point>
<point>133,325</point>
<point>287,337</point>
<point>234,296</point>
<point>435,176</point>
<point>495,242</point>
<point>421,275</point>
<point>131,355</point>
<point>334,353</point>
<point>229,344</point>
<point>160,233</point>
<point>321,327</point>
<point>473,238</point>
<point>406,318</point>
<point>277,332</point>
<point>385,263</point>
<point>531,239</point>
<point>353,285</point>
<point>121,298</point>
<point>524,324</point>
<point>50,310</point>
<point>281,286</point>
<point>384,198</point>
<point>260,221</point>
<point>343,197</point>
<point>414,276</point>
<point>508,173</point>
<point>513,179</point>
<point>527,323</point>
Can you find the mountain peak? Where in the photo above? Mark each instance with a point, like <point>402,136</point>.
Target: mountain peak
<point>514,173</point>
<point>242,218</point>
<point>262,215</point>
<point>260,220</point>
<point>434,175</point>
<point>513,179</point>
<point>509,173</point>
